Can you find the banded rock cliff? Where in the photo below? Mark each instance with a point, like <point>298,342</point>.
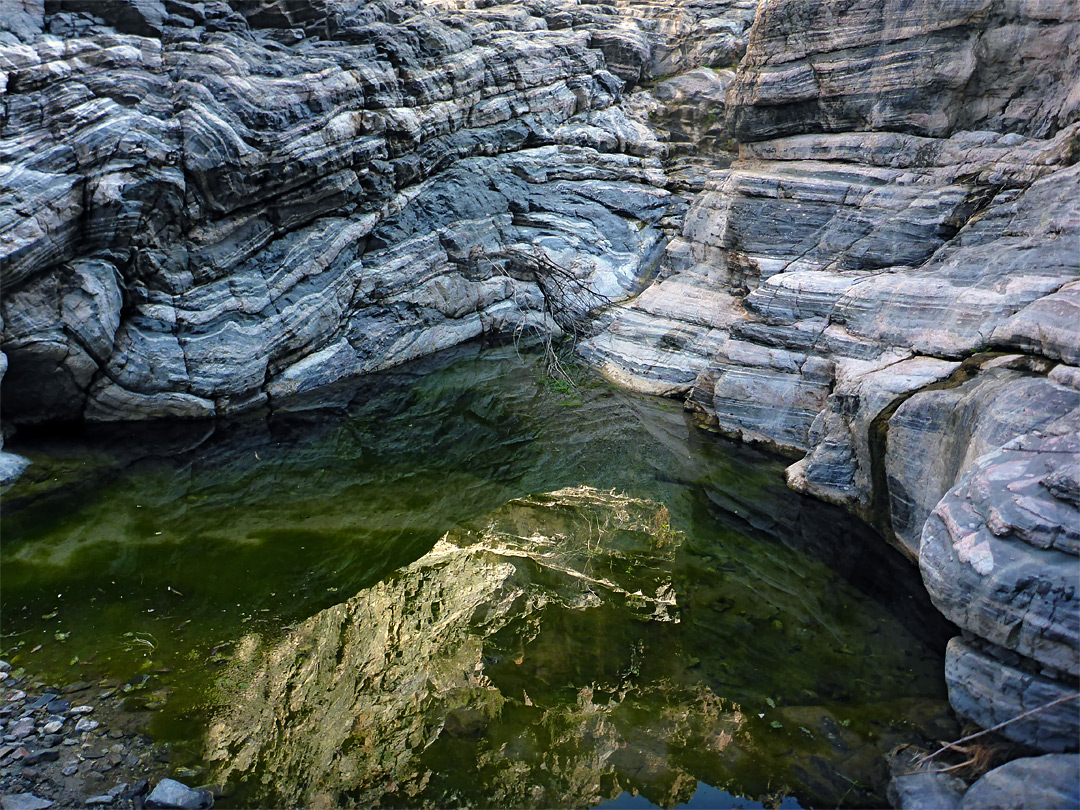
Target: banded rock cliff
<point>886,283</point>
<point>209,207</point>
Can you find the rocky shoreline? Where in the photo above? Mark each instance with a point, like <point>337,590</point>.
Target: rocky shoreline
<point>844,231</point>
<point>81,745</point>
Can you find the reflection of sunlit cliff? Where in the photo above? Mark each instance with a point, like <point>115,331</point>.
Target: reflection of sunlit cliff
<point>365,700</point>
<point>541,657</point>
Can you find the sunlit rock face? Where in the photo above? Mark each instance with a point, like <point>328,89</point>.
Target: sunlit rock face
<point>206,207</point>
<point>884,284</point>
<point>544,657</point>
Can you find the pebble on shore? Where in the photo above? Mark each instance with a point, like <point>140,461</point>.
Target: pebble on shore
<point>52,754</point>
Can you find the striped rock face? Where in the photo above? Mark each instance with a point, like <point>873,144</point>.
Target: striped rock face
<point>208,207</point>
<point>860,219</point>
<point>884,285</point>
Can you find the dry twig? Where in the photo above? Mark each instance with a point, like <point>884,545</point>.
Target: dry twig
<point>568,298</point>
<point>956,745</point>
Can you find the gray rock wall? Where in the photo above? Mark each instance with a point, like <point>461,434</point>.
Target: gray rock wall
<point>205,208</point>
<point>209,206</point>
<point>884,285</point>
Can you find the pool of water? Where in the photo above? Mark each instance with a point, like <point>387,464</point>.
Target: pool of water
<point>461,584</point>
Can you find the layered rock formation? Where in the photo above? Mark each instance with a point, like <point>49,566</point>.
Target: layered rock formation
<point>209,207</point>
<point>885,283</point>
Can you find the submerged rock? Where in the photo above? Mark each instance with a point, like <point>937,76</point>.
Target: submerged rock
<point>168,793</point>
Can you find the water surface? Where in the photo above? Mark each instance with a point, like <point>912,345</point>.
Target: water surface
<point>460,584</point>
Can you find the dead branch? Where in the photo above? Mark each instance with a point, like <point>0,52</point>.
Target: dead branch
<point>569,300</point>
<point>956,744</point>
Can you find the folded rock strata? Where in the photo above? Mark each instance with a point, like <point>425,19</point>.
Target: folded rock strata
<point>884,285</point>
<point>209,206</point>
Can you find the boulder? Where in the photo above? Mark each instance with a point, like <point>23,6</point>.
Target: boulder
<point>1033,783</point>
<point>23,801</point>
<point>990,685</point>
<point>998,553</point>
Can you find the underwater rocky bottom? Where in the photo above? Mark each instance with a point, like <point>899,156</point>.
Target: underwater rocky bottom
<point>461,583</point>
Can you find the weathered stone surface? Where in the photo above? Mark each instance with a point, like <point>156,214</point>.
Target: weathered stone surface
<point>918,236</point>
<point>11,467</point>
<point>24,801</point>
<point>1044,783</point>
<point>999,552</point>
<point>765,394</point>
<point>846,438</point>
<point>828,282</point>
<point>664,338</point>
<point>168,793</point>
<point>1047,326</point>
<point>925,67</point>
<point>921,787</point>
<point>999,558</point>
<point>207,208</point>
<point>990,685</point>
<point>936,435</point>
<point>988,272</point>
<point>903,199</point>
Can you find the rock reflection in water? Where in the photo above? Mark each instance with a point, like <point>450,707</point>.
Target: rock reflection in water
<point>773,649</point>
<point>347,706</point>
<point>517,664</point>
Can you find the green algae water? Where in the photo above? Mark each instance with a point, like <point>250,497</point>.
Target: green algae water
<point>459,584</point>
